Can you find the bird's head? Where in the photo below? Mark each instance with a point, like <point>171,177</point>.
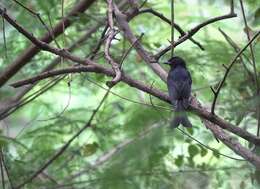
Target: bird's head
<point>176,61</point>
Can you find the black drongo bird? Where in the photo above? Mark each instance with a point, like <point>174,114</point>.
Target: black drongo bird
<point>179,88</point>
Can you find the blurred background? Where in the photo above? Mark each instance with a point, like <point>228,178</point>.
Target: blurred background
<point>129,144</point>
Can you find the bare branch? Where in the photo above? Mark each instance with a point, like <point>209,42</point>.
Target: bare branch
<point>254,66</point>
<point>141,86</point>
<point>123,25</point>
<point>53,73</point>
<point>176,26</point>
<point>65,146</point>
<point>137,84</point>
<point>217,91</point>
<point>27,55</point>
<point>192,32</point>
<point>4,37</point>
<point>233,144</point>
<point>2,170</point>
<point>243,55</point>
<point>38,16</point>
<point>111,35</point>
<point>6,169</point>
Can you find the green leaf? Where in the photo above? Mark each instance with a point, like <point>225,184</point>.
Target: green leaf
<point>3,141</point>
<point>90,149</point>
<point>179,161</point>
<point>190,131</point>
<point>203,152</point>
<point>216,154</point>
<point>193,150</point>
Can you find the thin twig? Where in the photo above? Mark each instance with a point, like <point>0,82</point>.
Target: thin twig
<point>4,37</point>
<point>172,24</point>
<point>52,35</point>
<point>193,31</point>
<point>63,25</point>
<point>39,18</point>
<point>6,169</point>
<point>234,45</point>
<point>208,147</point>
<point>2,170</point>
<point>64,147</point>
<point>172,27</point>
<point>64,109</point>
<point>254,66</point>
<point>228,68</point>
<point>102,38</point>
<point>30,97</point>
<point>129,50</point>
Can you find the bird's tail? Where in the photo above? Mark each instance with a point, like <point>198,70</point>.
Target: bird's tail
<point>180,116</point>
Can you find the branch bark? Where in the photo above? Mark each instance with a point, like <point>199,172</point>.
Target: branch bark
<point>30,52</point>
<point>192,32</point>
<point>203,113</point>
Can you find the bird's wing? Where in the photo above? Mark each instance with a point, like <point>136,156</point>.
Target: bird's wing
<point>189,76</point>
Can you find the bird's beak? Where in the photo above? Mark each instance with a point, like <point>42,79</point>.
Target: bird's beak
<point>167,63</point>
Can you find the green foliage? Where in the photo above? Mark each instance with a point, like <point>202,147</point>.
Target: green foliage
<point>129,144</point>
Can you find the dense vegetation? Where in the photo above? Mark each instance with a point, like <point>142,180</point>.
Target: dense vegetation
<point>83,128</point>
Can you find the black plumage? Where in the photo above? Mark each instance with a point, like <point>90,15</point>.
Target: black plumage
<point>179,87</point>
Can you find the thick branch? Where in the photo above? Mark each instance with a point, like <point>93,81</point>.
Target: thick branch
<point>137,84</point>
<point>96,68</point>
<point>124,27</point>
<point>40,44</point>
<point>27,55</point>
<point>15,101</point>
<point>111,35</point>
<point>234,145</point>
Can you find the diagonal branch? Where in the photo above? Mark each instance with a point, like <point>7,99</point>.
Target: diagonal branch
<point>40,19</point>
<point>176,26</point>
<point>137,84</point>
<point>123,25</point>
<point>233,144</point>
<point>228,68</point>
<point>65,146</point>
<point>96,68</point>
<point>195,108</point>
<point>194,30</point>
<point>15,101</point>
<point>254,67</point>
<point>29,53</point>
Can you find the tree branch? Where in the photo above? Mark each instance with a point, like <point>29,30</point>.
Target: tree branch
<point>137,84</point>
<point>254,67</point>
<point>228,68</point>
<point>64,147</point>
<point>96,68</point>
<point>192,32</point>
<point>27,55</point>
<point>111,35</point>
<point>123,25</point>
<point>176,26</point>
